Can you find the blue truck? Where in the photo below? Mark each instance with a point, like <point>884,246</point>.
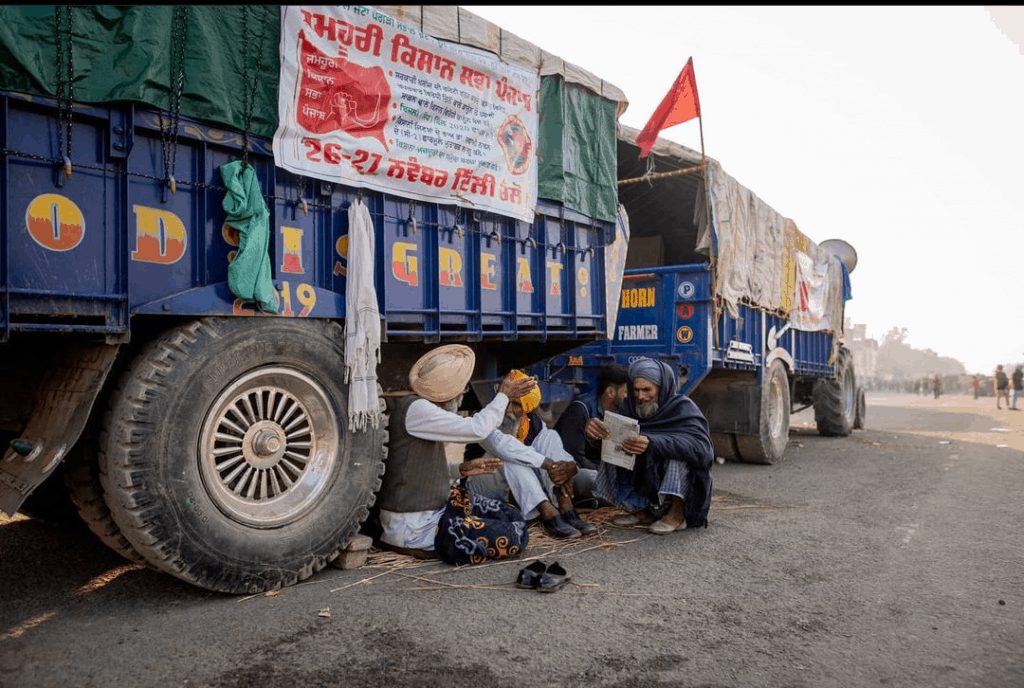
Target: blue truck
<point>194,431</point>
<point>715,288</point>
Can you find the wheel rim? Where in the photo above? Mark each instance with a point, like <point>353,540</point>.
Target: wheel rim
<point>849,396</point>
<point>267,447</point>
<point>776,411</point>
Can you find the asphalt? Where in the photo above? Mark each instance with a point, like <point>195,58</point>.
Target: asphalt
<point>893,557</point>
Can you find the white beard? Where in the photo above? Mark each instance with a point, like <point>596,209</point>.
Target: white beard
<point>453,405</point>
<point>647,409</point>
<point>509,425</point>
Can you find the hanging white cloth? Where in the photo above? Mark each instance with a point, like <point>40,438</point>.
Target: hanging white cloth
<point>362,321</point>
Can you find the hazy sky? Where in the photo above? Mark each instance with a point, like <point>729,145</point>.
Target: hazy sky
<point>899,130</point>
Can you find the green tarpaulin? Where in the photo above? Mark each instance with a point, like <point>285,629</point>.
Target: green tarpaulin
<point>577,149</point>
<point>124,53</point>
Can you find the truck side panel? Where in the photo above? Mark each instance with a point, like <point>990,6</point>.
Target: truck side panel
<point>666,313</point>
<point>82,253</point>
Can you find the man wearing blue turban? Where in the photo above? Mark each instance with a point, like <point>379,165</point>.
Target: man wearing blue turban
<point>671,479</point>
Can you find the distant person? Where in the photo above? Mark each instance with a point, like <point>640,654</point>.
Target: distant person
<point>1002,386</point>
<point>1018,386</point>
<point>976,385</point>
<point>937,386</point>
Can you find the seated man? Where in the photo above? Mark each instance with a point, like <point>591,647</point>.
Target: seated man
<point>535,468</point>
<point>571,426</point>
<point>417,478</point>
<point>672,475</point>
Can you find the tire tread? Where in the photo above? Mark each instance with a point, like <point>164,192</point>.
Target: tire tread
<point>125,467</point>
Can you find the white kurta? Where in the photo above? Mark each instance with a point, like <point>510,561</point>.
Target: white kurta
<point>428,421</point>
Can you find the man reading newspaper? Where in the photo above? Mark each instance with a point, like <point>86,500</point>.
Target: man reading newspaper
<point>671,476</point>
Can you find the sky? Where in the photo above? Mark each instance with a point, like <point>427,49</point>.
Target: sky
<point>899,130</point>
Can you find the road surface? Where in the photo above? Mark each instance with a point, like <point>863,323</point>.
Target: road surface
<point>893,557</point>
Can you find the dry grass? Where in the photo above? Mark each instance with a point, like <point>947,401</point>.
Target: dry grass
<point>543,546</point>
<point>386,563</point>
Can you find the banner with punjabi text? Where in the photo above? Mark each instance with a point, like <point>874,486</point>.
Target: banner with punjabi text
<point>368,101</point>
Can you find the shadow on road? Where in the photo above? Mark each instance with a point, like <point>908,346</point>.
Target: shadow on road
<point>46,571</point>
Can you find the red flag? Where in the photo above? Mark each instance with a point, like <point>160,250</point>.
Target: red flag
<point>679,105</point>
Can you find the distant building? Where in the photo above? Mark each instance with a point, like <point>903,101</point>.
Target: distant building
<point>864,350</point>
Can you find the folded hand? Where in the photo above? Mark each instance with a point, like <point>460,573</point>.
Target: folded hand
<point>562,472</point>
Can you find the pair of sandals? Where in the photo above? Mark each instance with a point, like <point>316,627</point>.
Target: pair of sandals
<point>643,518</point>
<point>542,577</point>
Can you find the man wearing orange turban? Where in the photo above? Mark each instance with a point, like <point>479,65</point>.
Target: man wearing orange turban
<point>536,469</point>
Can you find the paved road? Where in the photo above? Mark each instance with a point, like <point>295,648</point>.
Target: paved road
<point>894,557</point>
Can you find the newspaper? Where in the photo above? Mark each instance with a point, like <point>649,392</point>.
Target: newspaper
<point>620,428</point>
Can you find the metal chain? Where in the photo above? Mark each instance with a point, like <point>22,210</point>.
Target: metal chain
<point>169,134</point>
<point>141,175</point>
<point>245,84</point>
<point>65,64</point>
<point>250,82</point>
<point>220,189</point>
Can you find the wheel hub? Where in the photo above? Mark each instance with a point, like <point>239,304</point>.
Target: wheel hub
<point>264,444</point>
<point>268,446</point>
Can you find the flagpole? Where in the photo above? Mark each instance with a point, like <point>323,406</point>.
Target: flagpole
<point>700,121</point>
<point>713,258</point>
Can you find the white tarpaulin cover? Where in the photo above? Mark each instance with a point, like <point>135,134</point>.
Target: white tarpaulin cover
<point>765,259</point>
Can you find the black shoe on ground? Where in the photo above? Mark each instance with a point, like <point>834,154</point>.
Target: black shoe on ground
<point>557,527</point>
<point>574,520</point>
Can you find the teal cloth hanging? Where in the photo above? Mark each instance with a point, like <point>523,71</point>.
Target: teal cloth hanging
<point>249,276</point>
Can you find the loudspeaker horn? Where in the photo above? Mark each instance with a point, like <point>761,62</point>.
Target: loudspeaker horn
<point>841,250</point>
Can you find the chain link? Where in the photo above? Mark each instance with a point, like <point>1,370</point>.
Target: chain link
<point>250,80</point>
<point>65,67</point>
<point>460,219</point>
<point>214,187</point>
<point>245,84</point>
<point>169,133</point>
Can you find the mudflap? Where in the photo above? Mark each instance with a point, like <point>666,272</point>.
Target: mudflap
<point>64,399</point>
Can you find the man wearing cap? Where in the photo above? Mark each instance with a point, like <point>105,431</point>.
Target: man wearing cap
<point>417,478</point>
<point>671,479</point>
<point>536,469</point>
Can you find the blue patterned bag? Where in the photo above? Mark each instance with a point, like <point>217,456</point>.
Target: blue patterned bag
<point>474,529</point>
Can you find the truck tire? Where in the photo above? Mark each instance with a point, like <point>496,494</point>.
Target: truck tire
<point>835,400</point>
<point>724,444</point>
<point>226,458</point>
<point>862,411</point>
<point>769,444</point>
<point>82,478</point>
